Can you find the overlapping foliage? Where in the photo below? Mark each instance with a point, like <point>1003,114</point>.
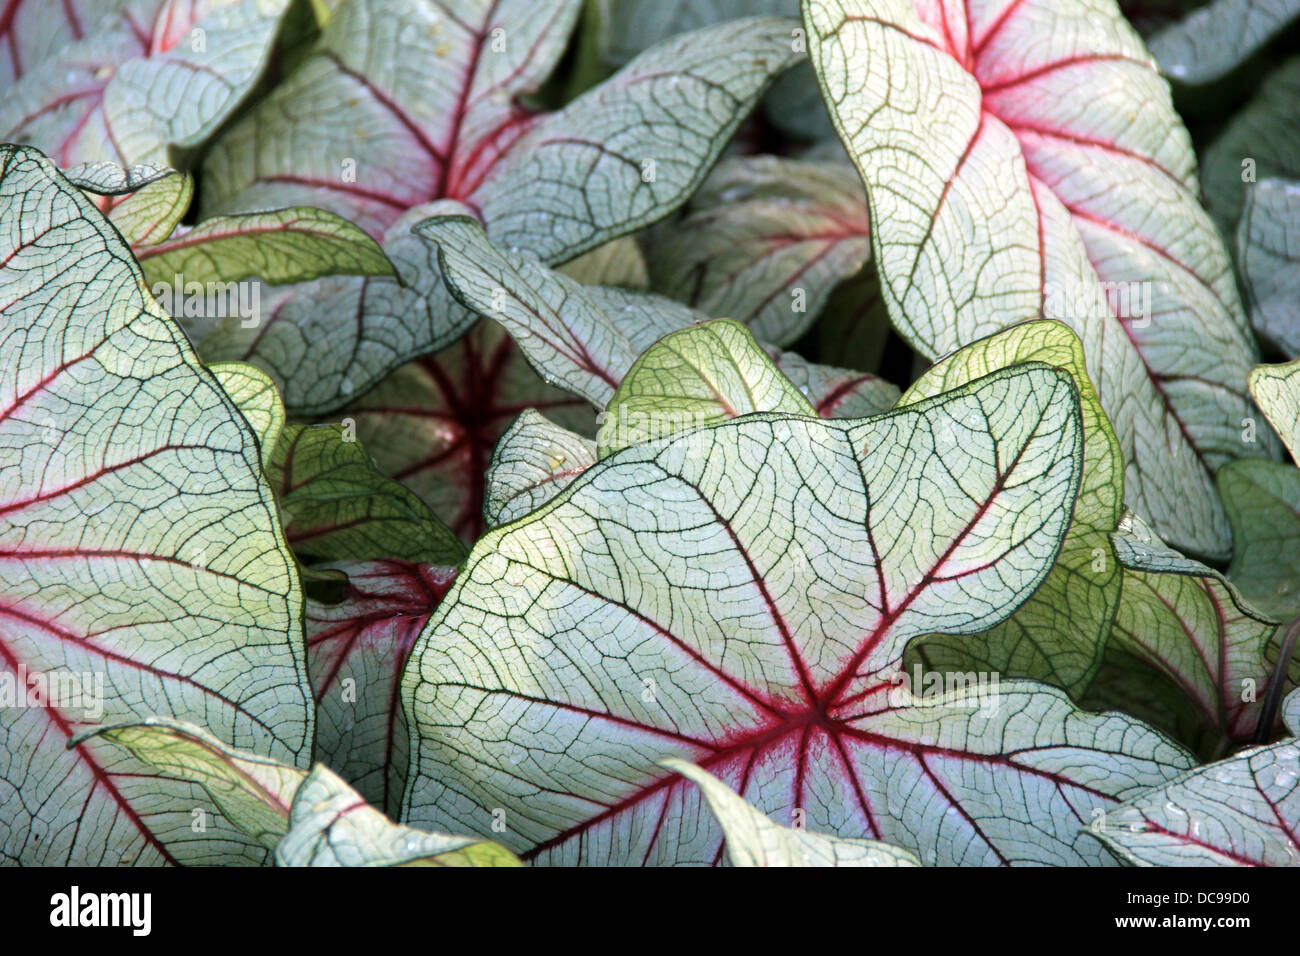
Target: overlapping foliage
<point>500,432</point>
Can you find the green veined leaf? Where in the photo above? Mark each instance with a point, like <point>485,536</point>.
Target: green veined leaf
<point>330,825</point>
<point>1060,633</point>
<point>1261,141</point>
<point>433,424</point>
<point>754,840</point>
<point>113,95</point>
<point>765,241</point>
<point>1268,252</point>
<point>728,596</point>
<point>1263,502</point>
<point>1243,811</point>
<point>139,545</point>
<point>338,507</point>
<point>1210,41</point>
<point>701,375</point>
<point>428,107</point>
<point>257,399</point>
<point>619,263</point>
<point>279,247</point>
<point>533,462</point>
<point>357,647</point>
<point>1033,167</point>
<point>1276,390</point>
<point>1191,626</point>
<point>150,214</point>
<point>248,790</point>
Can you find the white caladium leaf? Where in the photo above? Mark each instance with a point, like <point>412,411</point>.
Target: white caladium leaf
<point>765,241</point>
<point>142,563</point>
<point>1268,254</point>
<point>433,424</point>
<point>1261,141</point>
<point>423,103</point>
<point>1243,811</point>
<point>32,31</point>
<point>338,507</point>
<point>1060,633</point>
<point>280,246</point>
<point>114,95</point>
<point>1213,39</point>
<point>1276,390</point>
<point>330,825</point>
<point>1192,626</point>
<point>701,375</point>
<point>255,396</point>
<point>754,840</point>
<point>244,790</point>
<point>586,338</point>
<point>626,27</point>
<point>1263,502</point>
<point>357,647</point>
<point>1032,166</point>
<point>1291,713</point>
<point>533,462</point>
<point>739,596</point>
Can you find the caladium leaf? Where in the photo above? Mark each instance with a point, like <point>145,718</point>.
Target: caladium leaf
<point>432,424</point>
<point>533,462</point>
<point>114,95</point>
<point>586,338</point>
<point>1263,502</point>
<point>257,400</point>
<point>1268,253</point>
<point>1059,634</point>
<point>152,212</point>
<point>620,263</point>
<point>701,375</point>
<point>357,647</point>
<point>765,242</point>
<point>246,790</point>
<point>1213,39</point>
<point>1193,627</point>
<point>1035,168</point>
<point>735,596</point>
<point>754,840</point>
<point>31,31</point>
<point>426,107</point>
<point>1276,390</point>
<point>140,545</point>
<point>338,507</point>
<point>330,825</point>
<point>281,246</point>
<point>1243,811</point>
<point>1261,141</point>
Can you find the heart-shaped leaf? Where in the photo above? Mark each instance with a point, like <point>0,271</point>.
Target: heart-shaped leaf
<point>739,596</point>
<point>754,840</point>
<point>433,424</point>
<point>701,375</point>
<point>338,507</point>
<point>357,647</point>
<point>1268,253</point>
<point>426,106</point>
<point>1024,161</point>
<point>1263,502</point>
<point>140,546</point>
<point>114,95</point>
<point>1191,626</point>
<point>330,825</point>
<point>765,241</point>
<point>1059,634</point>
<point>533,462</point>
<point>1212,40</point>
<point>1244,811</point>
